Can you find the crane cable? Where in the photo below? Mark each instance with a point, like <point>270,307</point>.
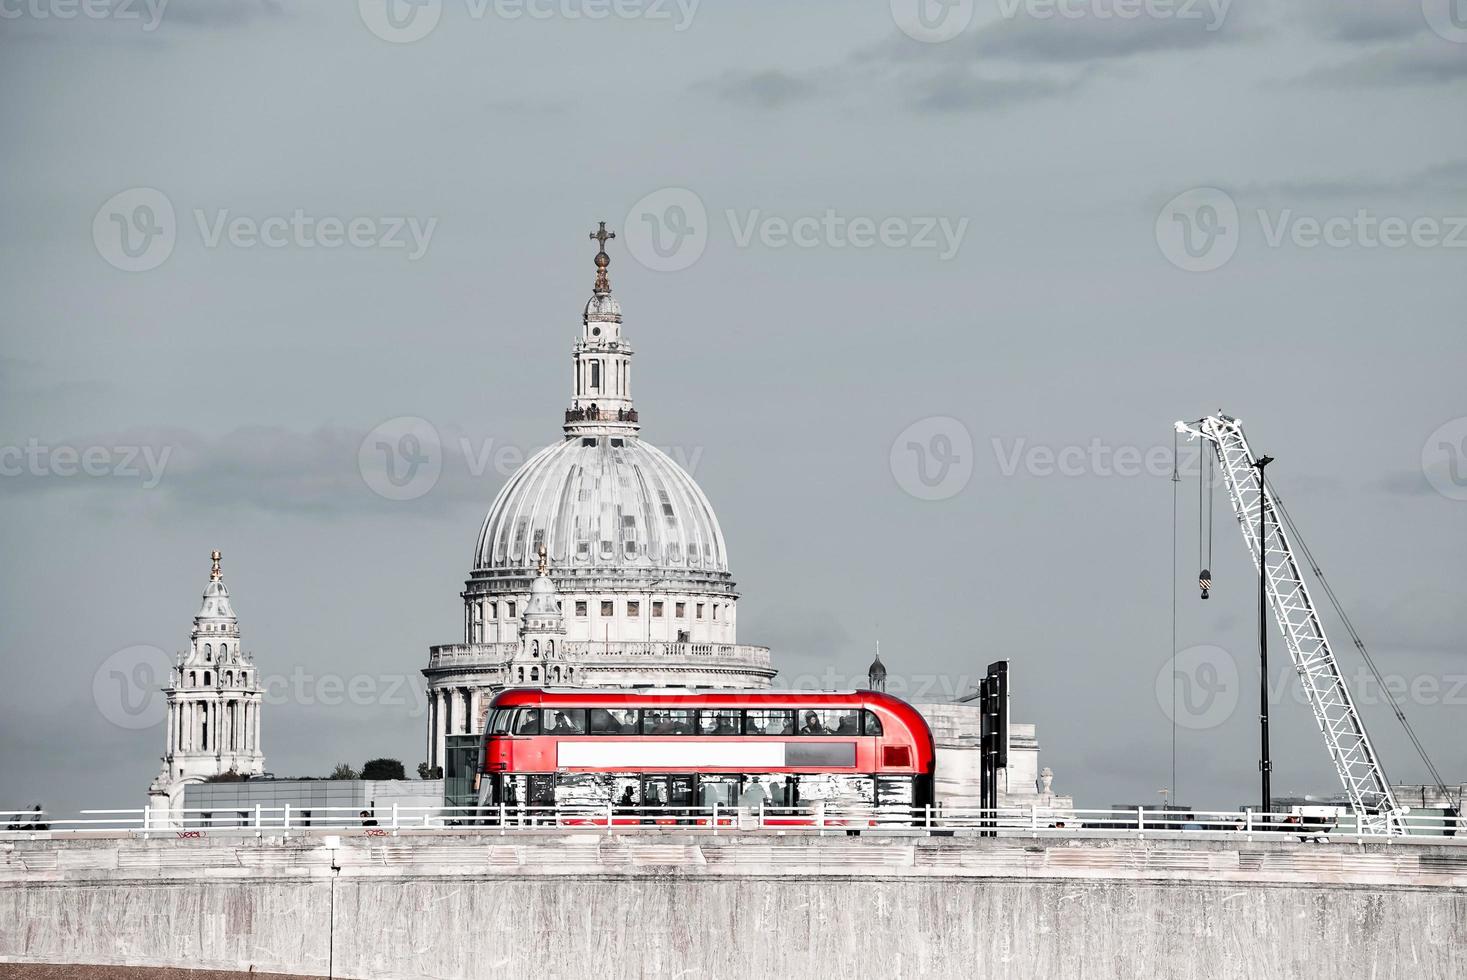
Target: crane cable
<point>1334,602</point>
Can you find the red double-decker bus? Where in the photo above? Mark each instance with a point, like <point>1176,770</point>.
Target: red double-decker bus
<point>653,750</point>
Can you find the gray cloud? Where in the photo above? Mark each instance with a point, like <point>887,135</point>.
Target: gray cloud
<point>1427,62</point>
<point>960,90</point>
<point>1086,40</point>
<point>770,89</point>
<point>216,14</point>
<point>265,468</point>
<point>1362,21</point>
<point>1439,181</point>
<point>1006,62</point>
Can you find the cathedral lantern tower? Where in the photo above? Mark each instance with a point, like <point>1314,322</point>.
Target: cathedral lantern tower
<point>214,699</point>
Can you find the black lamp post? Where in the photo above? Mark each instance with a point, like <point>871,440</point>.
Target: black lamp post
<point>1265,764</point>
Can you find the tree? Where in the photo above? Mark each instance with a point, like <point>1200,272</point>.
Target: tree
<point>344,771</point>
<point>226,777</point>
<point>384,769</point>
<point>425,771</point>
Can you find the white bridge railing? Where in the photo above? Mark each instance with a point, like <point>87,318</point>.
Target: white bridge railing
<point>289,820</point>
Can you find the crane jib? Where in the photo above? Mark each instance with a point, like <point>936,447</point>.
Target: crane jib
<point>1354,758</point>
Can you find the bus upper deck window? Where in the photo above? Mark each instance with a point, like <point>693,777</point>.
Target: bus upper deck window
<point>720,721</point>
<point>870,724</point>
<point>769,722</point>
<point>825,721</point>
<point>613,721</point>
<point>674,721</point>
<point>563,721</point>
<point>526,721</point>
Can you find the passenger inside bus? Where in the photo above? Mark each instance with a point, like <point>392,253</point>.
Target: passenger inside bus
<point>563,725</point>
<point>812,725</point>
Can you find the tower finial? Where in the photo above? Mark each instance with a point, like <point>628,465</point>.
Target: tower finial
<point>214,573</point>
<point>601,236</point>
<point>543,562</point>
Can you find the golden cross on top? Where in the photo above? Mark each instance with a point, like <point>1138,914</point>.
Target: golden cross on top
<point>601,236</point>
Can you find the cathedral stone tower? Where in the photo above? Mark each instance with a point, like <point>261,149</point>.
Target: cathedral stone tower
<point>214,699</point>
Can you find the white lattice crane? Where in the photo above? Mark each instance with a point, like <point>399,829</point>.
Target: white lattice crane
<point>1349,746</point>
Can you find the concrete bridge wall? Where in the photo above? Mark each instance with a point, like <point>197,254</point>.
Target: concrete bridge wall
<point>809,907</point>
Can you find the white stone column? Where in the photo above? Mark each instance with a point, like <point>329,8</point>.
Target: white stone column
<point>440,724</point>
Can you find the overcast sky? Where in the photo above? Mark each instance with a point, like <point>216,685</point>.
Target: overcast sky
<point>239,236</point>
